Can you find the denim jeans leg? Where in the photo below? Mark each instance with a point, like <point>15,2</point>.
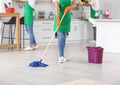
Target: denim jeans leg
<point>61,42</point>
<point>29,29</point>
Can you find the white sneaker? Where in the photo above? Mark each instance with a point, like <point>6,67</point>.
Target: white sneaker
<point>36,47</point>
<point>66,59</point>
<point>61,59</point>
<point>28,48</point>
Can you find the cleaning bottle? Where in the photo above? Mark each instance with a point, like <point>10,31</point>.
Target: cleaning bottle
<point>100,14</point>
<point>106,14</point>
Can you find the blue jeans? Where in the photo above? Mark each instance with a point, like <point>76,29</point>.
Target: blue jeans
<point>29,29</point>
<point>61,42</point>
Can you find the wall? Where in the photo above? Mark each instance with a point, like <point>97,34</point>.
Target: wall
<point>112,5</point>
<point>45,6</point>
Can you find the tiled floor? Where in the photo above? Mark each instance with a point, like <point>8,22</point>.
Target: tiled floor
<point>14,69</point>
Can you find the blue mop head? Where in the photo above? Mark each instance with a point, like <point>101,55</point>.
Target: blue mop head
<point>37,64</point>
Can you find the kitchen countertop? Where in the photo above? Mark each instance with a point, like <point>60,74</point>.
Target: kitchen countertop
<point>107,34</point>
<point>93,21</point>
<point>104,20</point>
<point>53,19</point>
<point>3,20</point>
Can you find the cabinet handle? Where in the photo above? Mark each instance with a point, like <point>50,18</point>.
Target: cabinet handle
<point>46,37</point>
<point>46,23</point>
<point>46,29</point>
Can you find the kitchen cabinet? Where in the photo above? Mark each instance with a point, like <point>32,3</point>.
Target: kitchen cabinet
<point>80,31</point>
<point>74,34</point>
<point>108,32</point>
<point>86,31</point>
<point>43,31</point>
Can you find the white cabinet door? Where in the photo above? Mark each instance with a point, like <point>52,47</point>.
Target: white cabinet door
<point>86,31</point>
<point>80,31</point>
<point>74,34</point>
<point>37,29</point>
<point>43,31</point>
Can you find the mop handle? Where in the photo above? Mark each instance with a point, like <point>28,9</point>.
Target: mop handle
<point>51,39</point>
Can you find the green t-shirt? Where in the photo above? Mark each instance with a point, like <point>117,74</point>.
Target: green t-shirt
<point>28,14</point>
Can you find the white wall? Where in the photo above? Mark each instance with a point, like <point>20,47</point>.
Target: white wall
<point>45,6</point>
<point>112,5</point>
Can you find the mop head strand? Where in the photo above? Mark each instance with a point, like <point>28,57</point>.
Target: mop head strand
<point>37,64</point>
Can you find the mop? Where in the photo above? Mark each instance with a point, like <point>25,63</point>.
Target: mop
<point>39,63</point>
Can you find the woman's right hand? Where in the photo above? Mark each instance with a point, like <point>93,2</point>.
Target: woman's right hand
<point>58,21</point>
<point>67,9</point>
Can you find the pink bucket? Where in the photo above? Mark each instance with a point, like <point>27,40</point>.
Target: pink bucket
<point>95,54</point>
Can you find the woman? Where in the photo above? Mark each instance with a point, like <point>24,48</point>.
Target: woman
<point>94,7</point>
<point>62,7</point>
<point>28,20</point>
